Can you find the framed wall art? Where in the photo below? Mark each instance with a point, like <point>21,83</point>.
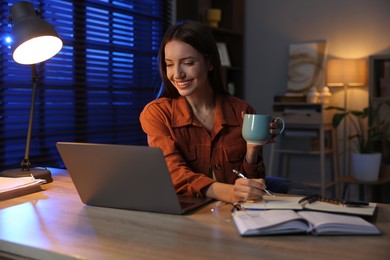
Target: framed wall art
<point>306,66</point>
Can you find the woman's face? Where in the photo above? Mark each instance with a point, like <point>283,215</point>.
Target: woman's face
<point>187,69</point>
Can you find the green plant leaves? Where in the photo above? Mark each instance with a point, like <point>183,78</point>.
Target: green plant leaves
<point>378,131</point>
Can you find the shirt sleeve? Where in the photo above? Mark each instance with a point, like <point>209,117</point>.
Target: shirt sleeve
<point>155,123</point>
<point>254,170</point>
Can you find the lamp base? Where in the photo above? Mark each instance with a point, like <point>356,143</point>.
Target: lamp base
<point>38,173</point>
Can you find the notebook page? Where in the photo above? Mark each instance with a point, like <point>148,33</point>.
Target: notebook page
<point>329,223</point>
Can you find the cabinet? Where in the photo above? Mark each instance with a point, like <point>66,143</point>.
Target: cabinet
<point>229,31</point>
<point>379,77</point>
<point>308,132</point>
<point>380,92</point>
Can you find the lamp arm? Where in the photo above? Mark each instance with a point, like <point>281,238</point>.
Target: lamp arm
<point>25,165</point>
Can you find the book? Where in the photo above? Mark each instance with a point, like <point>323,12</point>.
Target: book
<point>273,222</point>
<point>292,202</point>
<point>15,187</point>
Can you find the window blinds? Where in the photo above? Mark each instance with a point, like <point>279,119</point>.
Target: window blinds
<point>94,89</point>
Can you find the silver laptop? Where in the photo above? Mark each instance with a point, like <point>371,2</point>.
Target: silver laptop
<point>124,177</point>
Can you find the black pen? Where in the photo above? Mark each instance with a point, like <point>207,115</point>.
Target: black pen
<point>241,175</point>
<point>309,199</point>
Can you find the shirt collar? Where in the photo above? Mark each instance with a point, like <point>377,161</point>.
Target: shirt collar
<point>224,112</point>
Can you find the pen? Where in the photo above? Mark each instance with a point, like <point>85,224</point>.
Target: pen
<point>244,177</point>
<point>309,199</point>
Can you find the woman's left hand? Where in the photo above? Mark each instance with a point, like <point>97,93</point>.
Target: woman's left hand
<point>272,130</point>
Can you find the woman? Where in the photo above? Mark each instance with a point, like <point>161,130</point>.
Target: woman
<point>197,124</point>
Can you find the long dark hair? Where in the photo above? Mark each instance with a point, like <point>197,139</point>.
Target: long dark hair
<point>200,38</point>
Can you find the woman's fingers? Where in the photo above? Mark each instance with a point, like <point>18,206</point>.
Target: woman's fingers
<point>249,189</point>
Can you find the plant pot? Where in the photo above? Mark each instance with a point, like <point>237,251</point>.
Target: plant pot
<point>365,167</point>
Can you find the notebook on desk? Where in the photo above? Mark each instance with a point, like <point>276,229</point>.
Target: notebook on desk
<point>125,177</point>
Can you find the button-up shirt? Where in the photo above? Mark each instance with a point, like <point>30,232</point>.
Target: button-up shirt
<point>195,157</point>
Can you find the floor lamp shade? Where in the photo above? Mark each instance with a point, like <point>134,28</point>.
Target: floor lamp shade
<point>34,40</point>
<point>350,72</point>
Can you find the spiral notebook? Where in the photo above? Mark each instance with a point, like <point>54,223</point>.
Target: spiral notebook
<point>292,202</point>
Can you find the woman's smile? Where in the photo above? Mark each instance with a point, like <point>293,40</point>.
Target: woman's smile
<point>183,84</point>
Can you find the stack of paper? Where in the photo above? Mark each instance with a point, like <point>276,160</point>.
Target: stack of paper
<point>14,187</point>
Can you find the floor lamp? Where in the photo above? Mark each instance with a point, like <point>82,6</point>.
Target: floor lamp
<point>346,73</point>
<point>34,41</point>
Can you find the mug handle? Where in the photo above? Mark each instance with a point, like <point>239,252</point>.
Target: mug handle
<point>283,124</point>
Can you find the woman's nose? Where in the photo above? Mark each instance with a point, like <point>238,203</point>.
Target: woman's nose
<point>179,73</point>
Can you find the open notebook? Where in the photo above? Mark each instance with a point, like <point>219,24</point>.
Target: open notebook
<point>272,222</point>
<point>125,177</point>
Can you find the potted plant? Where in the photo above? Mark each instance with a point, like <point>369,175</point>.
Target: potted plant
<point>367,138</point>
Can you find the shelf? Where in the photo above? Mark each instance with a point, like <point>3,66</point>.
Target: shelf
<point>230,31</point>
<point>352,180</point>
<point>308,128</point>
<point>289,151</point>
<point>379,69</point>
<point>380,99</point>
<point>315,184</point>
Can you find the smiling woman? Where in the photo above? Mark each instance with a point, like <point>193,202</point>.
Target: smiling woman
<point>198,125</point>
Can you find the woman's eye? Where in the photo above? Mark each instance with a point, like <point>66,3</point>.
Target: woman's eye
<point>189,63</point>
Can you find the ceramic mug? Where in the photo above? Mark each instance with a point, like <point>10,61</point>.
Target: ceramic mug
<point>256,130</point>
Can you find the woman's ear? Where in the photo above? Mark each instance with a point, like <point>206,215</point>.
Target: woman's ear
<point>210,65</point>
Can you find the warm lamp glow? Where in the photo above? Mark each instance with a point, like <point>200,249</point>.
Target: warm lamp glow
<point>44,48</point>
<point>349,72</point>
<point>35,40</point>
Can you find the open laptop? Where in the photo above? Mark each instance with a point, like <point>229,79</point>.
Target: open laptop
<point>124,177</point>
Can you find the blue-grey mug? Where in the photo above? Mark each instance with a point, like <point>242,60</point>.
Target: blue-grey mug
<point>256,128</point>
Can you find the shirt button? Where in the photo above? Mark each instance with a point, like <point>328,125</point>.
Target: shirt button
<point>217,166</point>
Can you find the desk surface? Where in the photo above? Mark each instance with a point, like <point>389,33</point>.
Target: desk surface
<point>54,224</point>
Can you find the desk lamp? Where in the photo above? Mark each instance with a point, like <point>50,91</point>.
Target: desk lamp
<point>346,73</point>
<point>34,41</point>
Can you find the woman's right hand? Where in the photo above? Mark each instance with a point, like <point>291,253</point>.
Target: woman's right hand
<point>248,189</point>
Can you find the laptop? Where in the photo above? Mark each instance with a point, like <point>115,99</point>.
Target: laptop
<point>124,177</point>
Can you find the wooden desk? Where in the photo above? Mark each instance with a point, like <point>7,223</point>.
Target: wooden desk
<point>54,224</point>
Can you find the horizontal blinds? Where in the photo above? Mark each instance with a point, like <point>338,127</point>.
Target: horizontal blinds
<point>94,89</point>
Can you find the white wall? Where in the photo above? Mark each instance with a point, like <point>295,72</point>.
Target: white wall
<point>352,29</point>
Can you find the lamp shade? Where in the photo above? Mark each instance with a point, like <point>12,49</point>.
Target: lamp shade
<point>350,72</point>
<point>34,40</point>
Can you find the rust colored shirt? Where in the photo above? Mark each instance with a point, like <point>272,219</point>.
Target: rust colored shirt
<point>193,154</point>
